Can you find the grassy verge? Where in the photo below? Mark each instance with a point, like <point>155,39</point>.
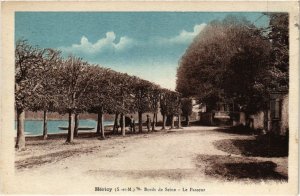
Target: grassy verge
<point>231,168</point>
<point>261,146</point>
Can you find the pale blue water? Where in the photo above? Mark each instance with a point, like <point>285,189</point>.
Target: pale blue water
<point>35,127</point>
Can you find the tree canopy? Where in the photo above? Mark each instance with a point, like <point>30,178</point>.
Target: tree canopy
<point>232,60</point>
<point>46,81</point>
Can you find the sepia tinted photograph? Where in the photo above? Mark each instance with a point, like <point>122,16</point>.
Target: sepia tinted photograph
<point>160,102</point>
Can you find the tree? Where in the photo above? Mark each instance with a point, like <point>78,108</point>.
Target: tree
<point>187,109</point>
<point>98,98</point>
<point>277,74</point>
<point>227,60</point>
<point>279,37</point>
<point>170,106</point>
<point>276,77</point>
<point>105,96</point>
<point>173,107</point>
<point>45,95</point>
<point>163,106</point>
<point>121,97</point>
<point>154,103</point>
<point>145,99</point>
<point>45,81</point>
<point>28,60</point>
<point>76,82</point>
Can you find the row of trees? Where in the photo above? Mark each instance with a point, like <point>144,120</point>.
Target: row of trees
<point>47,82</point>
<point>234,61</point>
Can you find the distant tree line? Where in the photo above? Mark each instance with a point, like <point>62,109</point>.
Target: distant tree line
<point>45,81</point>
<point>235,61</point>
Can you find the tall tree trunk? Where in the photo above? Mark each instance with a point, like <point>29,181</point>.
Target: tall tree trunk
<point>179,121</point>
<point>187,120</point>
<point>164,122</point>
<point>99,123</point>
<point>140,122</point>
<point>247,120</point>
<point>20,143</point>
<point>115,128</point>
<point>266,121</point>
<point>45,128</point>
<point>133,126</point>
<point>154,121</point>
<point>70,137</point>
<point>123,124</point>
<point>172,121</point>
<point>102,124</point>
<point>76,125</point>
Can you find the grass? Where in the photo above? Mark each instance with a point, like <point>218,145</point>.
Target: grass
<point>230,168</point>
<point>261,146</point>
<point>256,162</point>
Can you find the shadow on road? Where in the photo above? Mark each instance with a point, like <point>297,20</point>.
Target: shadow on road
<point>230,168</point>
<point>262,146</point>
<point>36,161</point>
<point>240,130</point>
<point>170,174</point>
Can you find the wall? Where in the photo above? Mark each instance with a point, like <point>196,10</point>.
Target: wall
<point>242,118</point>
<point>277,126</point>
<point>284,115</point>
<point>258,120</point>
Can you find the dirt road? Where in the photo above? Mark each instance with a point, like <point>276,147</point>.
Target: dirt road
<point>164,158</point>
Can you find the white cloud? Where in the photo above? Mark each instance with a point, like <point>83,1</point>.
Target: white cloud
<point>108,43</point>
<point>184,36</point>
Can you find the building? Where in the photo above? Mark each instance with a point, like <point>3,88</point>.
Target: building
<point>276,118</point>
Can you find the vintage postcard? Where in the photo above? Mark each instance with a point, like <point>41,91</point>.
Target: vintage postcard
<point>149,97</point>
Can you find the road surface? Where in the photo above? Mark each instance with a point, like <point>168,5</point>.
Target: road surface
<point>164,159</point>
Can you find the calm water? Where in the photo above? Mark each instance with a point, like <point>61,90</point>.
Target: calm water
<point>35,127</point>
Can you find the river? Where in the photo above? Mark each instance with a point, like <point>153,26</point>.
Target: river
<point>35,127</point>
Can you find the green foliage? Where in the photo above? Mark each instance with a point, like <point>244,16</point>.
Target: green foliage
<point>227,60</point>
<point>75,82</point>
<point>28,62</point>
<point>154,98</point>
<point>112,93</point>
<point>146,96</point>
<point>278,34</point>
<point>170,102</point>
<point>46,94</point>
<point>45,81</point>
<point>186,106</point>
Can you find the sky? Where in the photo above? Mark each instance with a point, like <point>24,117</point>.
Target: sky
<point>145,44</point>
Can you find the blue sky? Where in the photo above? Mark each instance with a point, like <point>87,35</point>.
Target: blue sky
<point>145,44</point>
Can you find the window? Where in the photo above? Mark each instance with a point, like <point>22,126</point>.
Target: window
<point>275,108</point>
